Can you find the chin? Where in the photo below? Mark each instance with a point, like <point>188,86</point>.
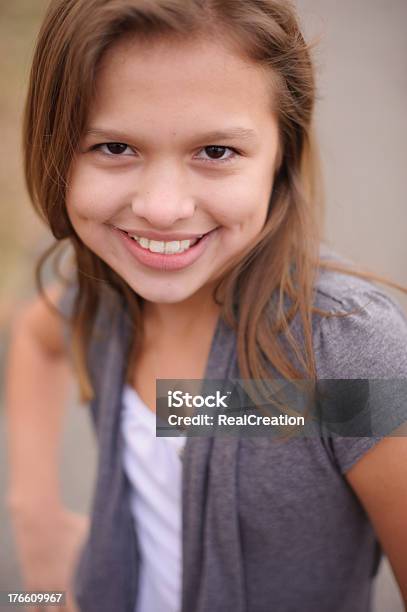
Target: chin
<point>162,295</point>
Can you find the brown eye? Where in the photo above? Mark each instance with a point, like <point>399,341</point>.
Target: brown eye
<point>215,151</point>
<point>113,149</point>
<point>116,148</point>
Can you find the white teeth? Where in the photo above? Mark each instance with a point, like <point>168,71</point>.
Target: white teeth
<point>169,248</point>
<point>174,246</point>
<point>156,247</point>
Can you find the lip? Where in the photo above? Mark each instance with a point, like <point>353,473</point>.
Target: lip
<point>162,237</point>
<point>161,261</point>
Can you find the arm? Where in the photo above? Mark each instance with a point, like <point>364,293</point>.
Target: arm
<point>48,536</point>
<point>379,479</point>
<point>37,382</point>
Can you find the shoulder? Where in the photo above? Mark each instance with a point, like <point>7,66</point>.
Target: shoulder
<point>367,335</point>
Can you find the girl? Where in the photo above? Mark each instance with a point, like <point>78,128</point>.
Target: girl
<point>169,142</point>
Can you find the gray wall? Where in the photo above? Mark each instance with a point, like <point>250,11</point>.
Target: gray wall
<point>362,126</point>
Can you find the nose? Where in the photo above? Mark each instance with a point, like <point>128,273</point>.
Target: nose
<point>161,197</point>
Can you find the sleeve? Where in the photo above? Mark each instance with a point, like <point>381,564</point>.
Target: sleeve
<point>362,369</point>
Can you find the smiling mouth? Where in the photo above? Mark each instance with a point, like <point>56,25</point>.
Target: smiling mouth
<point>170,247</point>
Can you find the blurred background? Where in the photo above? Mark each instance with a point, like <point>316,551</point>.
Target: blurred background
<point>361,61</point>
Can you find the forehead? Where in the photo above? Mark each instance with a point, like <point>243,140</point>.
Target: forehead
<point>181,81</point>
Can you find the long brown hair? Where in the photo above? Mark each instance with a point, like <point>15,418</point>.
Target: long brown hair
<point>74,36</point>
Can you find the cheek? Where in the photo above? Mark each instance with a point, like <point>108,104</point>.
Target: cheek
<point>244,203</point>
<point>243,213</point>
<point>91,196</point>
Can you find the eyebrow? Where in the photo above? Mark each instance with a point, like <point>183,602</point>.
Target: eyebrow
<point>233,133</point>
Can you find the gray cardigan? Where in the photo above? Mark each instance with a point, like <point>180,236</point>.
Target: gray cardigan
<point>267,527</point>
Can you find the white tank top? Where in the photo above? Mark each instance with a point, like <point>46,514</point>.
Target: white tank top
<point>154,468</point>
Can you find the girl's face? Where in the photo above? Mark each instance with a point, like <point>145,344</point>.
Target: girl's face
<point>180,142</point>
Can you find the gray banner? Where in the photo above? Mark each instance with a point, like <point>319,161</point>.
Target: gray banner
<point>281,408</point>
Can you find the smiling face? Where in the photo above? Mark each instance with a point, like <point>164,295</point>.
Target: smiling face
<point>180,142</point>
